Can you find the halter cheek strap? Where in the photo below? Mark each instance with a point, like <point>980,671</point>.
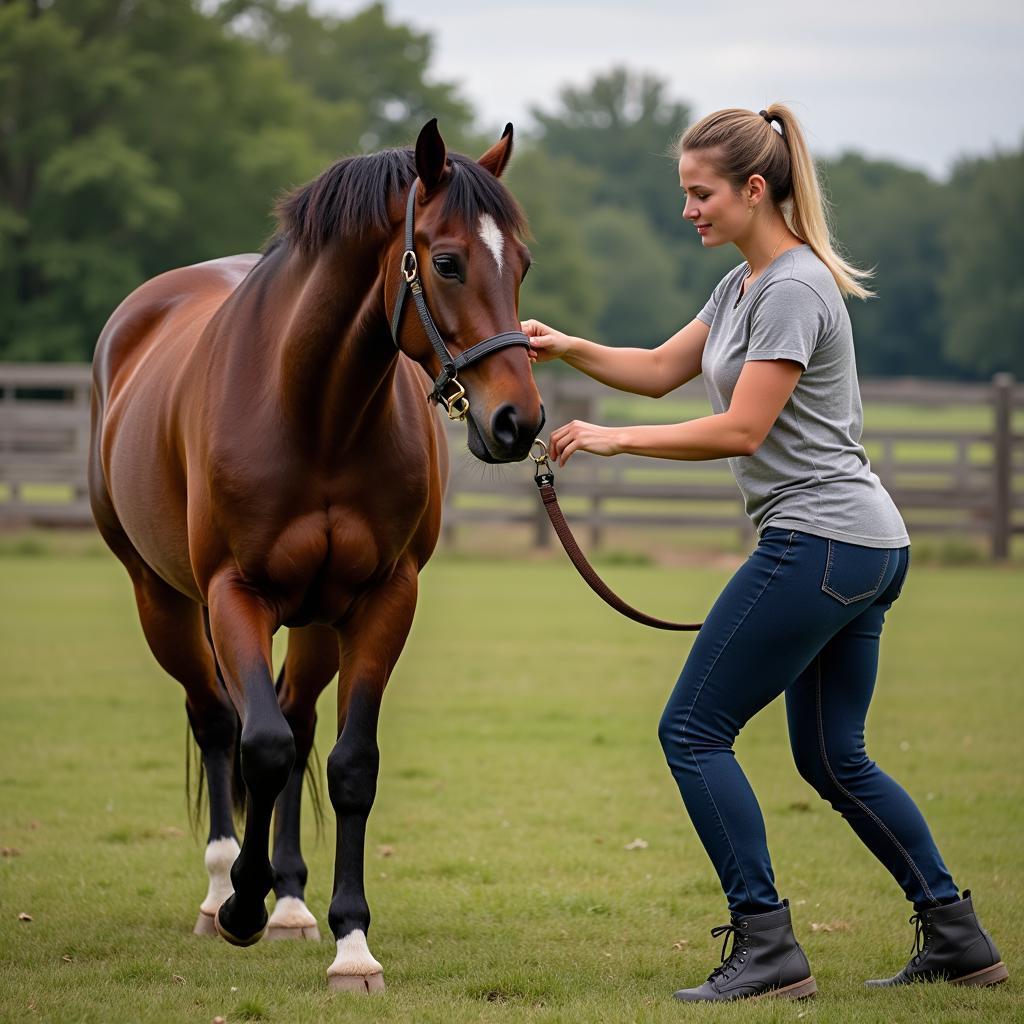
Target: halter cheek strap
<point>456,403</point>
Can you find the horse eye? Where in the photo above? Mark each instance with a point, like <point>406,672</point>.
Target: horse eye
<point>447,266</point>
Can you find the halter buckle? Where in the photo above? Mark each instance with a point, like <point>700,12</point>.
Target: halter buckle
<point>410,266</point>
<point>456,405</point>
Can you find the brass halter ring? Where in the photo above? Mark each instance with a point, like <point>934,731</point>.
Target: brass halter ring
<point>542,472</point>
<point>457,405</point>
<point>410,265</point>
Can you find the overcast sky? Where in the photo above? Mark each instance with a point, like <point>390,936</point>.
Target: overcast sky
<point>918,81</point>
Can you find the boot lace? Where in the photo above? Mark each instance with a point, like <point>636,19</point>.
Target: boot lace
<point>921,937</point>
<point>736,957</point>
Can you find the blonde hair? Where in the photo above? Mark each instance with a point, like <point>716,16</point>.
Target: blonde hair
<point>742,143</point>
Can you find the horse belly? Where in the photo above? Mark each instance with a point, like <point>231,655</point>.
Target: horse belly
<point>147,492</point>
<point>142,448</point>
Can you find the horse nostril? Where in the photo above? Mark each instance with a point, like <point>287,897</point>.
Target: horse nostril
<point>505,426</point>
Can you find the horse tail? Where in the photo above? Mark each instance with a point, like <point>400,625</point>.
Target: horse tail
<point>193,766</point>
<point>316,792</point>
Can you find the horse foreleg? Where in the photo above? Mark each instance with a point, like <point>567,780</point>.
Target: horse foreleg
<point>311,663</point>
<point>242,626</point>
<point>371,641</point>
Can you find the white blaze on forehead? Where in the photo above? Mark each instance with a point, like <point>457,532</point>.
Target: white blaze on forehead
<point>493,239</point>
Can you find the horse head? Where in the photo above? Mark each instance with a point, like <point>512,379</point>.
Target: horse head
<point>459,263</point>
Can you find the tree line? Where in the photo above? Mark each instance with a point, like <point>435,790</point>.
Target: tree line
<point>137,137</point>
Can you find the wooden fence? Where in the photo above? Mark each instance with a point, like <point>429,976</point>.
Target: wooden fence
<point>960,474</point>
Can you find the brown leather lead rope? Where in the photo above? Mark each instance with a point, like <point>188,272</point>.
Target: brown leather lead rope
<point>544,478</point>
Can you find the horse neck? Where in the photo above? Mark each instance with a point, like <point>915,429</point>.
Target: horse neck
<point>337,360</point>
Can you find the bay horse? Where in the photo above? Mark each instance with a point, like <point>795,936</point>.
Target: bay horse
<point>263,454</point>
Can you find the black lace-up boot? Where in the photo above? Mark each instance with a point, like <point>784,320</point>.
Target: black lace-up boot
<point>950,945</point>
<point>766,960</point>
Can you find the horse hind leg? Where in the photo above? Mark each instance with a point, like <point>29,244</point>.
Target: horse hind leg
<point>311,663</point>
<point>216,734</point>
<point>175,631</point>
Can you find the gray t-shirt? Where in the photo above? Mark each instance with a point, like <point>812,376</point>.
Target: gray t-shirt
<point>811,473</point>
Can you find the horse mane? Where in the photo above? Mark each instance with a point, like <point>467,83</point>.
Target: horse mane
<point>353,195</point>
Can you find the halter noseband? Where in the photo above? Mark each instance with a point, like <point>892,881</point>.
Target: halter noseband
<point>457,404</point>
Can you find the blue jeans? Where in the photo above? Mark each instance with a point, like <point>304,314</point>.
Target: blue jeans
<point>803,615</point>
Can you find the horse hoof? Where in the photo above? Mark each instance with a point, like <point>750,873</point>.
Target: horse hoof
<point>360,983</point>
<point>280,931</point>
<point>236,940</point>
<point>205,925</point>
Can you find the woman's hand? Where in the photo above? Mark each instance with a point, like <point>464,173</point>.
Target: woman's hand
<point>545,342</point>
<point>583,437</point>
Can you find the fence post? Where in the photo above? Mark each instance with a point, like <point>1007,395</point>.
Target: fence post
<point>1002,465</point>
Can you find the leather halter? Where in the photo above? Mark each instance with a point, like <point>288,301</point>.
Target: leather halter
<point>456,404</point>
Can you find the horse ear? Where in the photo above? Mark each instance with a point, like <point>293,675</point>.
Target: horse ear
<point>431,155</point>
<point>497,157</point>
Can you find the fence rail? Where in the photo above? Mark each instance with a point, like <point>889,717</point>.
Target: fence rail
<point>966,481</point>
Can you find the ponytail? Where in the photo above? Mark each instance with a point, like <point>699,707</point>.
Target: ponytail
<point>747,143</point>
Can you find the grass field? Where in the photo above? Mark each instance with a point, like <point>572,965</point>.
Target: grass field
<point>519,758</point>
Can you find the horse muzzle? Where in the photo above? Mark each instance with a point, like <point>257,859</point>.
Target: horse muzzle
<point>509,435</point>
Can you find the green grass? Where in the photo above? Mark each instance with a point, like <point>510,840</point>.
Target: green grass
<point>519,757</point>
<point>46,494</point>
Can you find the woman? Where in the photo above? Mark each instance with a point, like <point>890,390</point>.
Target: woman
<point>804,614</point>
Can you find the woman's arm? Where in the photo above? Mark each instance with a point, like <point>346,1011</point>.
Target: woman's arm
<point>651,372</point>
<point>761,393</point>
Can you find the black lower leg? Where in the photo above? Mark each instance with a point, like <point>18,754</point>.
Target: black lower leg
<point>352,780</point>
<point>289,867</point>
<point>268,753</point>
<point>216,732</point>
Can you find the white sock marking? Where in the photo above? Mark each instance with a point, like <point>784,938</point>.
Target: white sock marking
<point>493,239</point>
<point>291,912</point>
<point>220,855</point>
<point>354,956</point>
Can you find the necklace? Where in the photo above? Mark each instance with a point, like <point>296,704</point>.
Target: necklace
<point>746,280</point>
<point>782,238</point>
